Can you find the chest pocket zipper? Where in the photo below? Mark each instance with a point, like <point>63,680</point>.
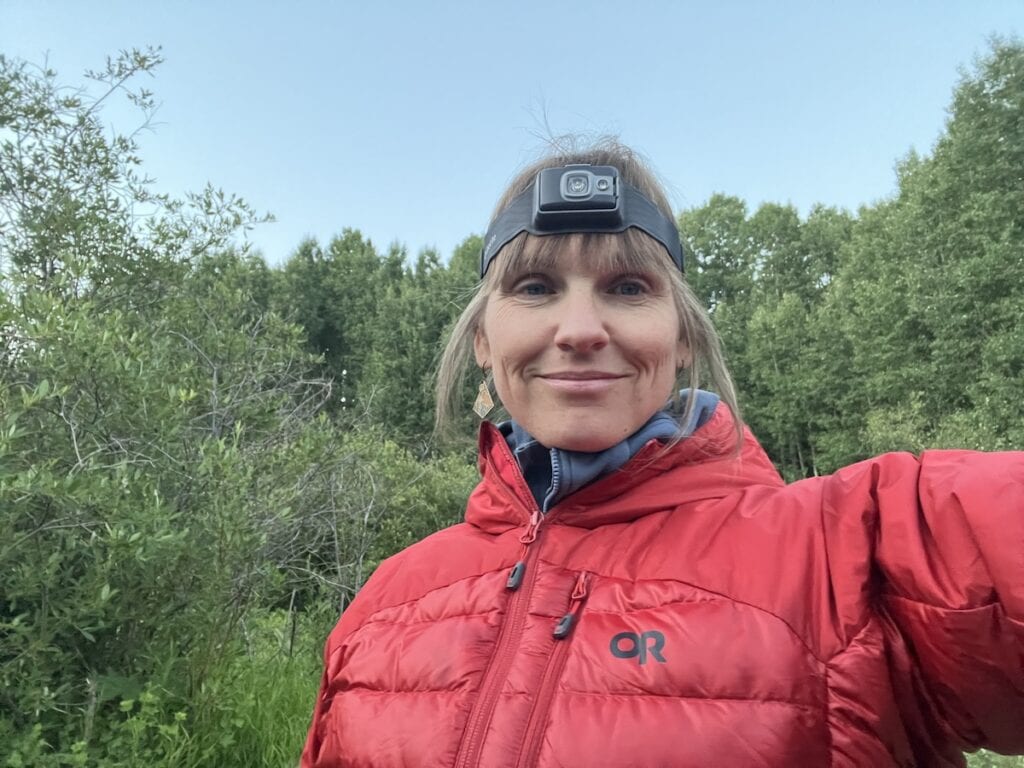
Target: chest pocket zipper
<point>553,672</point>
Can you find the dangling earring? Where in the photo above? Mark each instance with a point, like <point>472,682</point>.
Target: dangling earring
<point>484,402</point>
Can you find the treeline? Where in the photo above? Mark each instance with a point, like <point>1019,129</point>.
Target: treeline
<point>202,457</point>
<point>900,327</point>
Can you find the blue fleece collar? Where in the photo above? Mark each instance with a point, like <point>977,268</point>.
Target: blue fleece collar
<point>553,473</point>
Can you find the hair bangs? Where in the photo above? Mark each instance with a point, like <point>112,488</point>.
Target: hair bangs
<point>631,251</point>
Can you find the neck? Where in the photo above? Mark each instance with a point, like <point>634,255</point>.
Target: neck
<point>553,473</point>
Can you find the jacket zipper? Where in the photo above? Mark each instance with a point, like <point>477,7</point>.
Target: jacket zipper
<point>552,673</point>
<point>520,582</point>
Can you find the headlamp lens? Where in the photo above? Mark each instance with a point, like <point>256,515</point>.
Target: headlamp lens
<point>577,184</point>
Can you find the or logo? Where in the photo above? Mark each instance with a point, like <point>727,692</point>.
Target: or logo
<point>629,645</point>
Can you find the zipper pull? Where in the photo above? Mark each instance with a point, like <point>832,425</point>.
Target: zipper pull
<point>579,590</point>
<point>531,529</point>
<point>579,594</point>
<point>515,576</point>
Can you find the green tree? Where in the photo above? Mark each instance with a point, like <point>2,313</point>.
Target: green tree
<point>334,294</point>
<point>929,293</point>
<point>765,277</point>
<point>409,327</point>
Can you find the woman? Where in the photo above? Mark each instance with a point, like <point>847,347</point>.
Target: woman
<point>634,584</point>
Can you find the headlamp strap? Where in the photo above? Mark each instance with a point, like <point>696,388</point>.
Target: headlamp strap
<point>633,209</point>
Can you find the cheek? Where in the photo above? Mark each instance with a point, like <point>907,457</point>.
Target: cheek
<point>510,376</point>
<point>657,352</point>
<point>515,340</point>
<point>507,359</point>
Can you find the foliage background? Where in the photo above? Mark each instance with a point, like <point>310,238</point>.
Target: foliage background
<point>203,457</point>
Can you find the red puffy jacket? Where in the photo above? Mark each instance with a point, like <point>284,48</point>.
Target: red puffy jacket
<point>692,610</point>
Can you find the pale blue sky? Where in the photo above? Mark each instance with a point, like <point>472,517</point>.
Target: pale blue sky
<point>405,119</point>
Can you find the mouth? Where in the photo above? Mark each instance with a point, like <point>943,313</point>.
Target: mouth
<point>580,376</point>
<point>581,383</point>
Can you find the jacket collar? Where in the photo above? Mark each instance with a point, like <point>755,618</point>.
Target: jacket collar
<point>704,465</point>
<point>555,473</point>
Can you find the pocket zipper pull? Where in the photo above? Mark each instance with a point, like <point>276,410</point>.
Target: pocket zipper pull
<point>515,577</point>
<point>579,592</point>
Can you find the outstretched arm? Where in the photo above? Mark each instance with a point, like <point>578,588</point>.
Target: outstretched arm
<point>949,544</point>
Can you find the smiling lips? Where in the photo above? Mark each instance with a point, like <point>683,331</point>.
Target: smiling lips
<point>581,382</point>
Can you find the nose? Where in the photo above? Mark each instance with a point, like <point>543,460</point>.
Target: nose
<point>581,325</point>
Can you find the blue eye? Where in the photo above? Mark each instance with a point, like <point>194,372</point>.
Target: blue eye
<point>629,288</point>
<point>533,287</point>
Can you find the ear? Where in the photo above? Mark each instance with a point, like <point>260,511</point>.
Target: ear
<point>481,348</point>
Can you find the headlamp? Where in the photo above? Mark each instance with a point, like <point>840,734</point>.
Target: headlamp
<point>579,198</point>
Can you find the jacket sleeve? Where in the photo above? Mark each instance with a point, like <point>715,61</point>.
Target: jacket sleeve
<point>949,550</point>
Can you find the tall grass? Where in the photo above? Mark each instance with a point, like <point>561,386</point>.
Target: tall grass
<point>257,710</point>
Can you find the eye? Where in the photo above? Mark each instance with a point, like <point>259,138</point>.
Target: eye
<point>534,289</point>
<point>630,287</point>
<point>532,286</point>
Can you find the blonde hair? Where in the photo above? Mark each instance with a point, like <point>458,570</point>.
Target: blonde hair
<point>632,251</point>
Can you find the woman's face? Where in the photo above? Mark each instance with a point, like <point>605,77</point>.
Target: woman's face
<point>582,355</point>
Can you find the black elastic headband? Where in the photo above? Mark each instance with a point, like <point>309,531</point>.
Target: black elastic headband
<point>579,198</point>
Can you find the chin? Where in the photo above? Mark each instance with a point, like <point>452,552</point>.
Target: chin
<point>572,439</point>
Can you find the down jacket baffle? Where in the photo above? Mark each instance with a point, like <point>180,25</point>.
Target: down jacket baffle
<point>692,610</point>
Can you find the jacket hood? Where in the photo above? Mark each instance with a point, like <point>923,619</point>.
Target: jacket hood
<point>702,466</point>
